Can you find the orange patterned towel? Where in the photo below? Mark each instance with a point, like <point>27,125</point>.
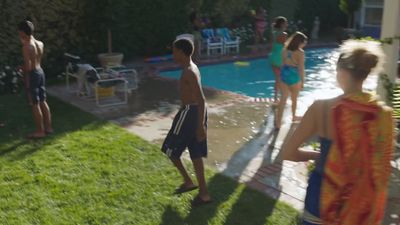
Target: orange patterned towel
<point>357,169</point>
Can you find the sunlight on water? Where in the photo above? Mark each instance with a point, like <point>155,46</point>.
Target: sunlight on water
<point>321,77</point>
<point>257,79</point>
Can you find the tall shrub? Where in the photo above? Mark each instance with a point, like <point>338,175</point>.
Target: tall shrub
<point>55,22</point>
<point>139,27</point>
<point>328,11</point>
<point>349,7</point>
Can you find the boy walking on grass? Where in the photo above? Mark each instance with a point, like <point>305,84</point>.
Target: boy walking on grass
<point>32,51</point>
<point>190,124</point>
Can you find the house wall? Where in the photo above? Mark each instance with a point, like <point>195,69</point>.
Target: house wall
<point>369,17</point>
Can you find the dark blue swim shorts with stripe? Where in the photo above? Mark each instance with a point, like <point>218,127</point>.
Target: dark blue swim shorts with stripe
<point>182,135</point>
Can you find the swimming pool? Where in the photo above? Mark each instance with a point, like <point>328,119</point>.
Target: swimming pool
<point>257,80</point>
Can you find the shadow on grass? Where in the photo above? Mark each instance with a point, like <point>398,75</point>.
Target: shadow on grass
<point>241,204</point>
<point>170,216</point>
<point>17,116</point>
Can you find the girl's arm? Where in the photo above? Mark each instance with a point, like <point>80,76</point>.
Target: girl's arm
<point>301,62</point>
<point>306,129</point>
<point>271,41</point>
<point>282,38</point>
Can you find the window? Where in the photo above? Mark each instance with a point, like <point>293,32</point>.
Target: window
<point>373,2</point>
<point>373,16</point>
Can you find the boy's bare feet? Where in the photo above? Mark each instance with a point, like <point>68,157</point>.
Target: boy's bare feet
<point>198,200</point>
<point>36,135</point>
<point>185,188</point>
<point>49,131</point>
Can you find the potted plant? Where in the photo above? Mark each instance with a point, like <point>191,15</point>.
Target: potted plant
<point>110,58</point>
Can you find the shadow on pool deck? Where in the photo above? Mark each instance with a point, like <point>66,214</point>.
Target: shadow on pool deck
<point>258,165</point>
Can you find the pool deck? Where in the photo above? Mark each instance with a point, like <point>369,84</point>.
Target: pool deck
<point>242,143</point>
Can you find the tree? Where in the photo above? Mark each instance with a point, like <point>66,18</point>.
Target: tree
<point>349,7</point>
<point>329,13</point>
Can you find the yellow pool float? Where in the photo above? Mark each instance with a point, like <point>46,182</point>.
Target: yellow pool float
<point>241,63</point>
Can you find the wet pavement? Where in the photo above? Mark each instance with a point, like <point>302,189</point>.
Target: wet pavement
<point>242,142</point>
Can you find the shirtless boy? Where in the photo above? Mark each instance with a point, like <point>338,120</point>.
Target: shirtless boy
<point>190,124</point>
<point>32,51</point>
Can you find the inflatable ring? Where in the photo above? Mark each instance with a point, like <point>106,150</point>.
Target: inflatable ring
<point>241,63</point>
<point>158,59</point>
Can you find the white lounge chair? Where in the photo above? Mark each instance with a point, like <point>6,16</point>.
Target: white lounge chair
<point>212,41</point>
<point>229,41</point>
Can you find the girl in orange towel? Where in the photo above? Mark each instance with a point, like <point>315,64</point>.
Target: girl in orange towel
<point>349,183</point>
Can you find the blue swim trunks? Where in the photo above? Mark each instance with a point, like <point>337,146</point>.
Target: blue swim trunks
<point>290,75</point>
<point>182,135</point>
<point>37,85</point>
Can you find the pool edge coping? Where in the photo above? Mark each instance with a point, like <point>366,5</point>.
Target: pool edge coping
<point>215,61</point>
<point>158,70</point>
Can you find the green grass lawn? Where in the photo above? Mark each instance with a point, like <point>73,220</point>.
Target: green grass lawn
<point>93,172</point>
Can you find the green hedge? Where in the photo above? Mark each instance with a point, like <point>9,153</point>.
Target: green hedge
<point>139,27</point>
<point>56,24</point>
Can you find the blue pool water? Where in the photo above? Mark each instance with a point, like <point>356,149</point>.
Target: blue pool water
<point>257,79</point>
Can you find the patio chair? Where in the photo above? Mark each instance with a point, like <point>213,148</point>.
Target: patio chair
<point>129,74</point>
<point>229,41</point>
<point>85,74</point>
<point>103,81</point>
<point>212,41</point>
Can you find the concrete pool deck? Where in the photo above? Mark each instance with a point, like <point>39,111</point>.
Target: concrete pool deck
<point>242,143</point>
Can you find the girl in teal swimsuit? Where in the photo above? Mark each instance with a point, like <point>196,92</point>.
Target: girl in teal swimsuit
<point>278,39</point>
<point>292,74</point>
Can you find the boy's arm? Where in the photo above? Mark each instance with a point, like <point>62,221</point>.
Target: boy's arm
<point>194,83</point>
<point>26,67</point>
<point>27,64</point>
<point>27,59</point>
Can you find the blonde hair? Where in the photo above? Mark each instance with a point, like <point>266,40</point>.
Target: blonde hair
<point>361,58</point>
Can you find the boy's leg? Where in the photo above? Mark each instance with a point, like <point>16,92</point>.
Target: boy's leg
<point>38,118</point>
<point>199,169</point>
<point>176,142</point>
<point>46,116</point>
<point>43,105</point>
<point>35,92</point>
<point>187,181</point>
